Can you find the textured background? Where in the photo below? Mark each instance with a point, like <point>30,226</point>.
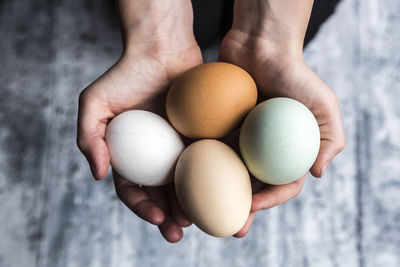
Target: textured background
<point>52,213</point>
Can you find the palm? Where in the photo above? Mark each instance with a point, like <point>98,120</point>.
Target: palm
<point>296,80</point>
<point>289,76</point>
<point>283,74</point>
<point>136,81</point>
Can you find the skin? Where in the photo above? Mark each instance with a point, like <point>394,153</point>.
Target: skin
<point>158,46</point>
<point>266,39</point>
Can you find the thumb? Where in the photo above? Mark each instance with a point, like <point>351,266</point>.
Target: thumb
<point>92,123</point>
<point>329,148</point>
<point>331,130</point>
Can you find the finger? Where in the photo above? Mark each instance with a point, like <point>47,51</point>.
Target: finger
<point>276,194</point>
<point>137,200</point>
<point>256,185</point>
<point>177,213</point>
<point>246,228</point>
<point>159,195</point>
<point>169,229</point>
<point>92,123</point>
<point>333,140</point>
<point>328,150</point>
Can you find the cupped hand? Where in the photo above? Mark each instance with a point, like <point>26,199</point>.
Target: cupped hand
<point>268,44</point>
<point>137,81</point>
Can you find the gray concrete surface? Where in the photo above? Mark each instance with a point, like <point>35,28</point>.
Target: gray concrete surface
<point>52,213</point>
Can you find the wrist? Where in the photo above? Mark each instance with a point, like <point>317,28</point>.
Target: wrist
<point>155,26</point>
<point>276,26</point>
<point>172,58</point>
<point>237,42</point>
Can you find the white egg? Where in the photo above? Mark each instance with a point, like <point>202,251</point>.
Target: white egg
<point>279,140</point>
<point>143,147</point>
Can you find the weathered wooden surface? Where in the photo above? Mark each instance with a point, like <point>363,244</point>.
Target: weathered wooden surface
<point>53,214</point>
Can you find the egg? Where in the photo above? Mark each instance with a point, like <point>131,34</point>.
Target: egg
<point>210,100</point>
<point>143,147</point>
<point>213,187</point>
<point>279,140</point>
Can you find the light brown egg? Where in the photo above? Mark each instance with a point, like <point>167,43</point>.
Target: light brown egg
<point>213,187</point>
<point>210,100</point>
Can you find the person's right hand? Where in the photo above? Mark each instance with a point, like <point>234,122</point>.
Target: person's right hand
<point>158,47</point>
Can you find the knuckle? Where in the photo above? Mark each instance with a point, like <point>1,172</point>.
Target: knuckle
<point>88,101</point>
<point>341,144</point>
<point>297,187</point>
<point>298,190</point>
<point>86,98</point>
<point>83,95</point>
<point>274,200</point>
<point>333,96</point>
<point>81,144</point>
<point>118,192</point>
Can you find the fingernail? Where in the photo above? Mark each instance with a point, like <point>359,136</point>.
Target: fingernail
<point>324,169</point>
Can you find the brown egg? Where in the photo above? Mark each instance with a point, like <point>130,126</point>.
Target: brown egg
<point>210,100</point>
<point>213,187</point>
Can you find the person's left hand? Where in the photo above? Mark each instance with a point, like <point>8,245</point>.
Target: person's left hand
<point>270,47</point>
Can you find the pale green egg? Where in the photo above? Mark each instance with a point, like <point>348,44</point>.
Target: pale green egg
<point>279,140</point>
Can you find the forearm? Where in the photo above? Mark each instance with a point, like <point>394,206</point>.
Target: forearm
<point>154,21</point>
<point>282,22</point>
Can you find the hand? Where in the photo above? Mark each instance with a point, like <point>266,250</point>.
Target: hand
<point>157,48</point>
<point>266,39</point>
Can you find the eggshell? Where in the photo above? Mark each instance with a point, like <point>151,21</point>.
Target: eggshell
<point>213,187</point>
<point>210,100</point>
<point>279,140</point>
<point>143,147</point>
